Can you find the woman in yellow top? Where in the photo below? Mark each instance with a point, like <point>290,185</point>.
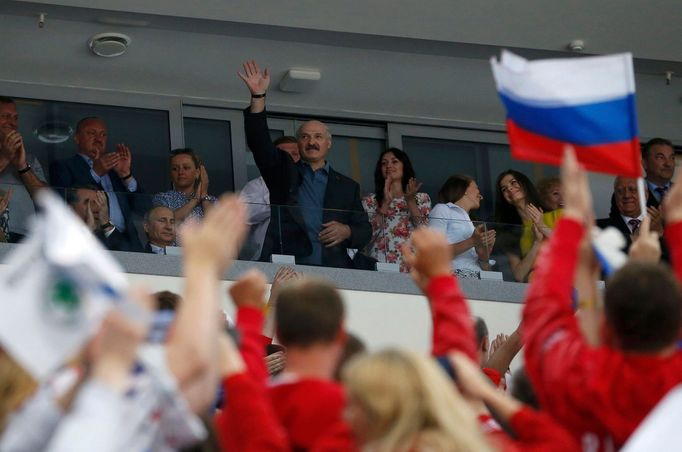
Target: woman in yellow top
<point>518,203</point>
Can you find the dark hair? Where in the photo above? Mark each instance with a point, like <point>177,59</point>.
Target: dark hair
<point>646,149</point>
<point>80,123</point>
<point>454,188</point>
<point>379,181</point>
<point>481,330</point>
<point>285,139</point>
<point>522,389</point>
<point>72,192</point>
<point>354,346</point>
<point>186,151</point>
<point>6,100</point>
<point>308,312</point>
<point>544,186</point>
<point>642,303</point>
<point>505,212</point>
<point>167,300</point>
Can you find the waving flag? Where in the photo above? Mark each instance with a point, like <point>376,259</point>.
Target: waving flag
<point>588,103</point>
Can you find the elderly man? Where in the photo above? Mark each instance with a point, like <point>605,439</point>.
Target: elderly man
<point>159,225</point>
<point>658,160</point>
<point>324,216</point>
<point>19,172</point>
<point>111,171</point>
<point>626,212</point>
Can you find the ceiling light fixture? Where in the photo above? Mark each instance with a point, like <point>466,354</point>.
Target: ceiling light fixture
<point>299,80</point>
<point>109,44</point>
<point>577,45</point>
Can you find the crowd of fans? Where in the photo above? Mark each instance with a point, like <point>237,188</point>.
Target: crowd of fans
<point>287,375</point>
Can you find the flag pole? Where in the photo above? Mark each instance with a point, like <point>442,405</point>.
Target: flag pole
<point>642,195</point>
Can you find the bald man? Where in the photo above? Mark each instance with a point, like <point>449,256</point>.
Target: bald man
<point>324,216</point>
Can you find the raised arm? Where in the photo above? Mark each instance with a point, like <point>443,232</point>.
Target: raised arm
<point>555,351</point>
<point>672,207</point>
<point>452,326</point>
<point>209,249</point>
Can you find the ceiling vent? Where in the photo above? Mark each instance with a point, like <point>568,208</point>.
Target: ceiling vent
<point>109,44</point>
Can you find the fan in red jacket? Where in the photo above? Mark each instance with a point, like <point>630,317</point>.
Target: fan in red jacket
<point>307,403</point>
<point>453,332</point>
<point>602,393</point>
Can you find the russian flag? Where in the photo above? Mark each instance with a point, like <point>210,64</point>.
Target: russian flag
<point>587,102</point>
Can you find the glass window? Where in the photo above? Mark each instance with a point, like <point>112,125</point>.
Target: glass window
<point>48,127</point>
<point>212,140</point>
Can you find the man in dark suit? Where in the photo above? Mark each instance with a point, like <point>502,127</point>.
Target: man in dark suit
<point>92,206</point>
<point>159,225</point>
<point>324,216</point>
<point>110,171</point>
<point>658,160</point>
<point>626,212</point>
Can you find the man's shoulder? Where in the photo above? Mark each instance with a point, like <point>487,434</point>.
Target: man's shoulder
<point>66,162</point>
<point>341,178</point>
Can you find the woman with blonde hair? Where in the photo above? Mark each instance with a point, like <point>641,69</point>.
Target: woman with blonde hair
<point>401,401</point>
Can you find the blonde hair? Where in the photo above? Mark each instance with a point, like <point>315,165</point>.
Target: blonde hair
<point>15,386</point>
<point>411,404</point>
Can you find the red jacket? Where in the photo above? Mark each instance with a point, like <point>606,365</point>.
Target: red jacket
<point>453,330</point>
<point>600,394</point>
<point>287,415</point>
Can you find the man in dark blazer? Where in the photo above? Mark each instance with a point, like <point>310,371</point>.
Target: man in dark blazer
<point>626,212</point>
<point>658,160</point>
<point>323,216</point>
<point>110,171</point>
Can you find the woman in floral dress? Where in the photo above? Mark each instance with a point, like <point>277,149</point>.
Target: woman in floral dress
<point>396,208</point>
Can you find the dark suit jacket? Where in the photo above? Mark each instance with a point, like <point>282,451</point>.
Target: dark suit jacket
<point>652,201</point>
<point>617,222</point>
<point>115,242</point>
<point>286,232</point>
<point>75,171</point>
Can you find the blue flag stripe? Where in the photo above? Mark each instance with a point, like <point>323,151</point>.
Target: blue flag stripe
<point>588,124</point>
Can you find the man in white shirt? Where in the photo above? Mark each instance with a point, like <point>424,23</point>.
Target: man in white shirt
<point>257,198</point>
<point>19,171</point>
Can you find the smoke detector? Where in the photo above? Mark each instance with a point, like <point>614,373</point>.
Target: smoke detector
<point>109,44</point>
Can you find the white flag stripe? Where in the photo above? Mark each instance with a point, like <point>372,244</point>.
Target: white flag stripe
<point>572,81</point>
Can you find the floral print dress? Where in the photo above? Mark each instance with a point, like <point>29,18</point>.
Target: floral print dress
<point>390,231</point>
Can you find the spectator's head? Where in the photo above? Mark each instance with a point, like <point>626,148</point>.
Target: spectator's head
<point>314,141</point>
<point>549,190</point>
<point>159,225</point>
<point>289,145</point>
<point>398,398</point>
<point>461,190</point>
<point>167,300</point>
<point>626,196</point>
<point>643,308</point>
<point>91,137</point>
<point>658,160</point>
<point>81,197</point>
<point>522,390</point>
<point>9,118</point>
<point>513,191</point>
<point>482,338</point>
<point>353,347</point>
<point>185,169</point>
<point>393,164</point>
<point>309,312</point>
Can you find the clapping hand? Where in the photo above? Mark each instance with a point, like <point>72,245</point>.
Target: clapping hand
<point>202,187</point>
<point>431,257</point>
<point>4,200</point>
<point>124,163</point>
<point>412,189</point>
<point>249,290</point>
<point>105,163</point>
